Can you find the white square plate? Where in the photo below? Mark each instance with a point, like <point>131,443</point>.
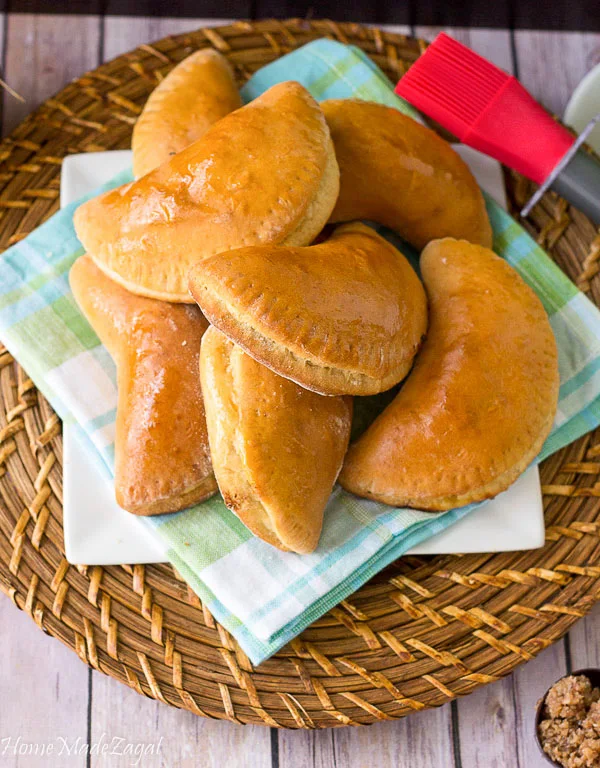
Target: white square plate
<point>98,532</point>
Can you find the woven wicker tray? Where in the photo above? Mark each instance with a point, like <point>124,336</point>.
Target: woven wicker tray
<point>423,631</point>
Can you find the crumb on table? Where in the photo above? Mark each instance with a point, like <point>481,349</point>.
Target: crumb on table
<point>569,731</point>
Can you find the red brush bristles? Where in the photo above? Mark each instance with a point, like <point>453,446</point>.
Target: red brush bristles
<point>484,107</point>
<point>460,83</point>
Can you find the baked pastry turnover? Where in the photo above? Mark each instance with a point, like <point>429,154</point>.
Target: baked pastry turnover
<point>265,173</point>
<point>403,175</point>
<point>277,448</point>
<point>346,316</point>
<point>182,107</point>
<point>481,398</point>
<point>162,460</point>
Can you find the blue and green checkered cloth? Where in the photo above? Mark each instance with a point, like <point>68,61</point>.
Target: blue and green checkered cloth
<point>262,596</point>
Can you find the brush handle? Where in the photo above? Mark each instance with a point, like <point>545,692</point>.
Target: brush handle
<point>579,183</point>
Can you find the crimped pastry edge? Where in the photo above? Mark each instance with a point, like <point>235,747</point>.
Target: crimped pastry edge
<point>484,492</point>
<point>202,491</point>
<point>306,372</point>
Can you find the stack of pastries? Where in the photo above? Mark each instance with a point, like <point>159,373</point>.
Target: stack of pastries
<point>243,322</point>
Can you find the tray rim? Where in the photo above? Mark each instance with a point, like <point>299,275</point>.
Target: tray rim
<point>514,521</point>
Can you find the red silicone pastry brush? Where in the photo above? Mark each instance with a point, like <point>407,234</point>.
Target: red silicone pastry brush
<point>492,112</point>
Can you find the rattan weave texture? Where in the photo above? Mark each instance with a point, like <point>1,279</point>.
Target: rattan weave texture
<point>422,632</point>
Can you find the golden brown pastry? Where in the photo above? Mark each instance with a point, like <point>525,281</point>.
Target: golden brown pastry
<point>277,448</point>
<point>182,107</point>
<point>481,398</point>
<point>266,173</point>
<point>346,316</point>
<point>403,175</point>
<point>162,459</point>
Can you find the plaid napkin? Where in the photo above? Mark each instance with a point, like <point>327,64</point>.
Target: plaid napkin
<point>262,596</point>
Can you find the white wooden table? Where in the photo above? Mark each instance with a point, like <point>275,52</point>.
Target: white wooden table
<point>47,696</point>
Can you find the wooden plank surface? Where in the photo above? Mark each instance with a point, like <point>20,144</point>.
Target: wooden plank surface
<point>52,694</point>
<point>123,33</point>
<point>584,642</point>
<point>44,695</point>
<point>550,64</point>
<point>42,53</point>
<point>423,740</point>
<point>495,723</point>
<point>171,736</point>
<point>494,44</point>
